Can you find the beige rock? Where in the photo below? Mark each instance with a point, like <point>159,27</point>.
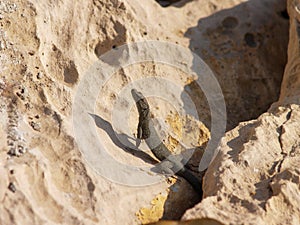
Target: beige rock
<point>54,184</point>
<point>290,85</point>
<point>255,177</point>
<point>62,39</point>
<point>253,173</point>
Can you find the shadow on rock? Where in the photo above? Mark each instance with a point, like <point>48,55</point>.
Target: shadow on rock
<point>175,3</point>
<point>182,196</point>
<point>125,144</point>
<point>246,49</point>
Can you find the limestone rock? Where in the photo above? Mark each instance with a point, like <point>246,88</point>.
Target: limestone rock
<point>290,85</point>
<point>254,172</point>
<point>46,49</point>
<point>255,179</point>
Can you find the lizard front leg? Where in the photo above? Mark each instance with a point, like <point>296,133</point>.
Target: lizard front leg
<point>140,131</point>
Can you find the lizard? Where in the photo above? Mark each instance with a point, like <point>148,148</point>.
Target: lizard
<point>171,163</point>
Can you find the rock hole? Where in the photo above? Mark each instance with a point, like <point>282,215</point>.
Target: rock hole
<point>54,48</point>
<point>91,186</point>
<point>230,22</point>
<point>47,111</point>
<point>166,3</point>
<point>250,40</point>
<point>71,74</point>
<point>112,43</point>
<point>284,14</point>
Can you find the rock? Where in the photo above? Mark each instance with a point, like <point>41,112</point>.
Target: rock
<point>238,46</point>
<point>290,84</point>
<point>255,179</point>
<point>244,185</point>
<point>59,41</point>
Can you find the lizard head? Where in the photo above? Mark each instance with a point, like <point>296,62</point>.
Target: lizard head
<point>136,95</point>
<point>140,100</point>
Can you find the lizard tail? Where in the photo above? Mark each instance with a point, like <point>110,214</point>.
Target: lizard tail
<point>196,184</point>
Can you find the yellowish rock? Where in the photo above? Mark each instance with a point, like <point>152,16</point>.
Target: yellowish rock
<point>154,212</point>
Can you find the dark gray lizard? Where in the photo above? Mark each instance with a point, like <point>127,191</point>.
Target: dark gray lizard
<point>171,163</point>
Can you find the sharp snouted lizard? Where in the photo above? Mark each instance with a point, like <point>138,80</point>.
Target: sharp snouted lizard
<point>147,132</point>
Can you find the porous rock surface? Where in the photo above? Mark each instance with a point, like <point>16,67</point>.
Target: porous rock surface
<point>255,178</point>
<point>46,47</point>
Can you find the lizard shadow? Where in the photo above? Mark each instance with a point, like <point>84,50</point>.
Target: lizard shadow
<point>116,138</point>
<point>127,146</point>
